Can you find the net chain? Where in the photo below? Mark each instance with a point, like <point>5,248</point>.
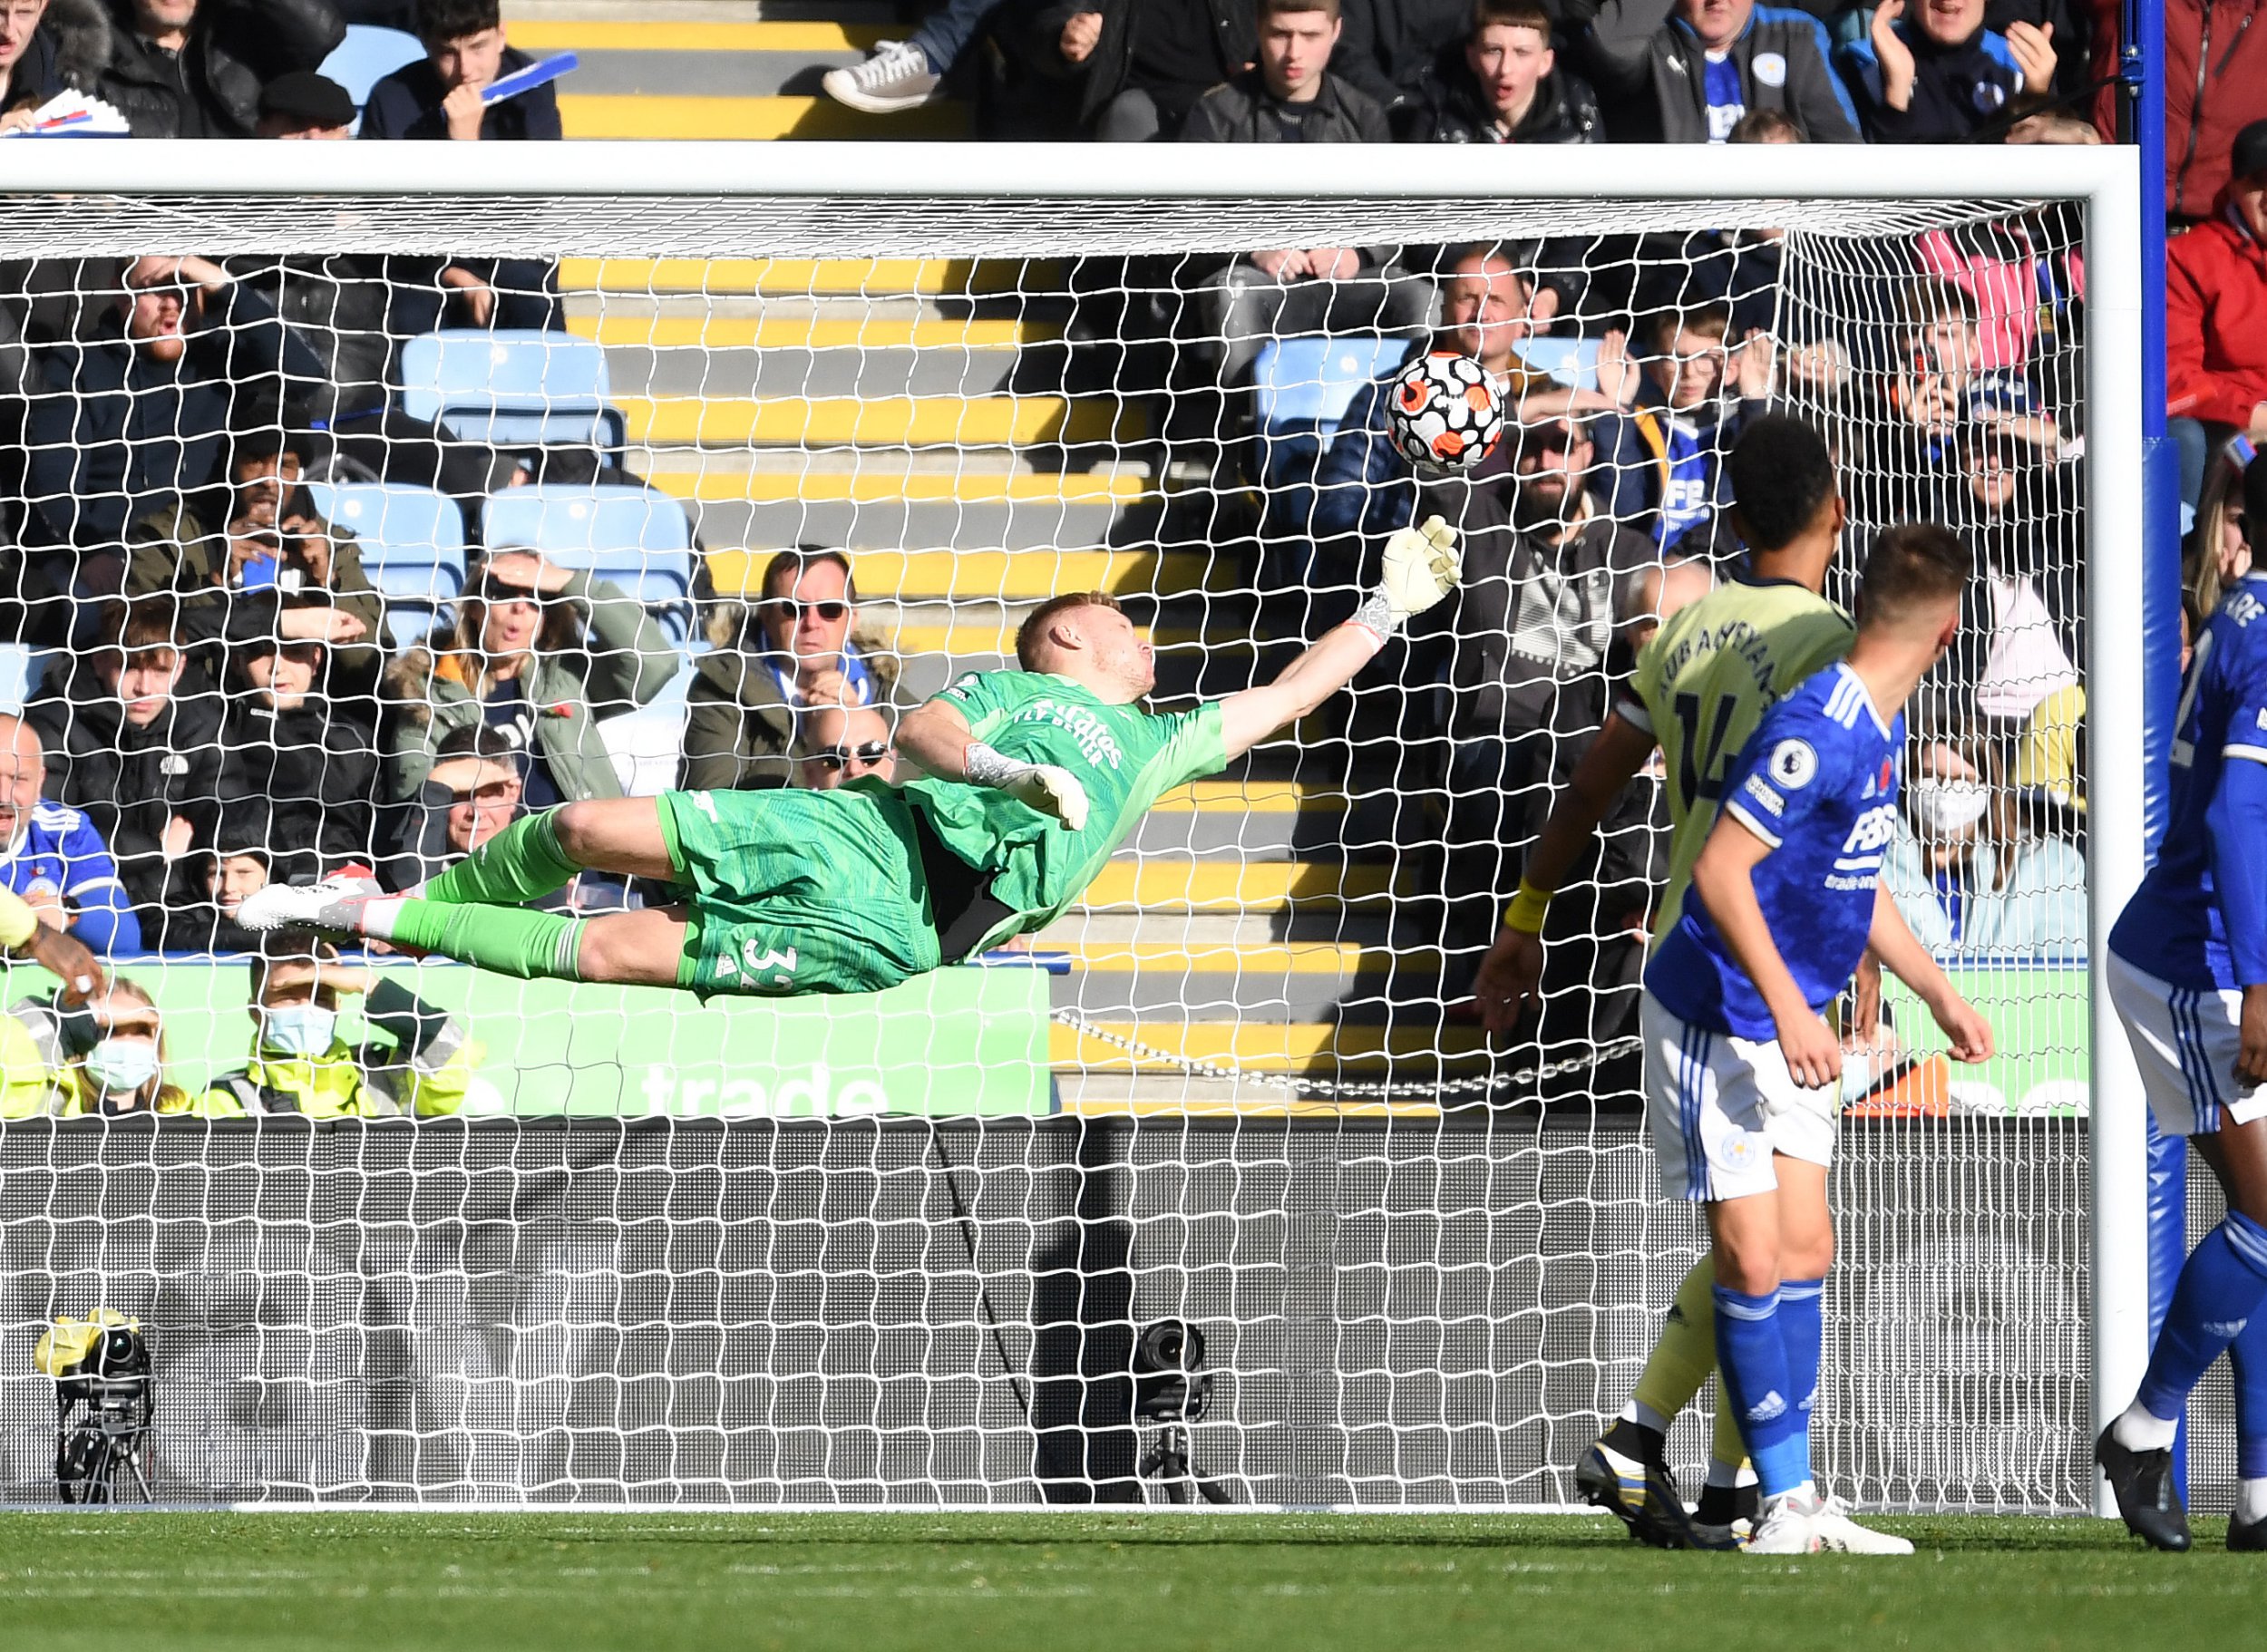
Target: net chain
<point>1346,1089</point>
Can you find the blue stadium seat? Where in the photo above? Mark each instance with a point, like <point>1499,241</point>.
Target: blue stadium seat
<point>367,56</point>
<point>1301,388</point>
<point>1573,362</point>
<point>520,388</point>
<point>18,679</point>
<point>412,542</point>
<point>636,537</point>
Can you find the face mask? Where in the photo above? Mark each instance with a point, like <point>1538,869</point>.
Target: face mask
<point>1946,810</point>
<point>121,1066</point>
<point>297,1029</point>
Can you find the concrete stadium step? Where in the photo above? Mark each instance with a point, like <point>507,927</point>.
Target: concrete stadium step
<point>692,119</point>
<point>812,277</point>
<point>771,370</point>
<point>683,321</point>
<point>1269,981</point>
<point>997,421</point>
<point>1181,1095</point>
<point>1153,883</point>
<point>1313,1047</point>
<point>978,576</point>
<point>974,509</point>
<point>704,58</point>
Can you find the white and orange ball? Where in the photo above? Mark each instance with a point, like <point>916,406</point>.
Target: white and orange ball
<point>1443,413</point>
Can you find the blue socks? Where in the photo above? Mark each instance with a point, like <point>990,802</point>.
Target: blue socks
<point>2221,1289</point>
<point>1751,1355</point>
<point>1802,1328</point>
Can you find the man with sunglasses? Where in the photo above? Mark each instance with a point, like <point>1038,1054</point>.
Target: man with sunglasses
<point>1033,778</point>
<point>842,744</point>
<point>776,662</point>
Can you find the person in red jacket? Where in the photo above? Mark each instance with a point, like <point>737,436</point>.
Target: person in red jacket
<point>2215,316</point>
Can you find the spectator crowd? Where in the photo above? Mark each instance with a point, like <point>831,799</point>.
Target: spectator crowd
<point>228,703</point>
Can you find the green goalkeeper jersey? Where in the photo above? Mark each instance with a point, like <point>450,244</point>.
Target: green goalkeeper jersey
<point>1124,756</point>
<point>1704,683</point>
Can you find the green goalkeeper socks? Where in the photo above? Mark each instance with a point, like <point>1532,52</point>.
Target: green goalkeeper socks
<point>509,940</point>
<point>523,863</point>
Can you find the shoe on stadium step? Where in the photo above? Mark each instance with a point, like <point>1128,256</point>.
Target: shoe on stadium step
<point>897,76</point>
<point>2246,1537</point>
<point>332,907</point>
<point>2142,1481</point>
<point>1642,1495</point>
<point>1789,1525</point>
<point>1839,1534</point>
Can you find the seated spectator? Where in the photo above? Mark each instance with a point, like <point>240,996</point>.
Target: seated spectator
<point>275,545</point>
<point>1392,48</point>
<point>1502,86</point>
<point>1938,75</point>
<point>299,1064</point>
<point>138,420</point>
<point>1535,619</point>
<point>901,75</point>
<point>1688,71</point>
<point>1687,400</point>
<point>1143,64</point>
<point>842,743</point>
<point>541,652</point>
<point>133,744</point>
<point>2215,316</point>
<point>792,652</point>
<point>46,47</point>
<point>286,742</point>
<point>305,105</point>
<point>465,54</point>
<point>1288,97</point>
<point>1488,309</point>
<point>2217,554</point>
<point>194,68</point>
<point>1966,871</point>
<point>2023,616</point>
<point>1941,387</point>
<point>441,98</point>
<point>103,1058</point>
<point>237,856</point>
<point>52,857</point>
<point>473,793</point>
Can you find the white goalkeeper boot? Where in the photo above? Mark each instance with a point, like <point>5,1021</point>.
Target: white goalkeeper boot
<point>333,906</point>
<point>1839,1534</point>
<point>1788,1525</point>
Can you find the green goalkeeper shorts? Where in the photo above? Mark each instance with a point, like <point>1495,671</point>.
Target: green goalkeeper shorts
<point>796,892</point>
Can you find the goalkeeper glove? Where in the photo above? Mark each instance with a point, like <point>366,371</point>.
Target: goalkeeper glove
<point>1422,566</point>
<point>1052,792</point>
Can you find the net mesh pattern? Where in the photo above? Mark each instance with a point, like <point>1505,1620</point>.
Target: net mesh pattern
<point>574,1243</point>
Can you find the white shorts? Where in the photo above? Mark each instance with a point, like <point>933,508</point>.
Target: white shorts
<point>2184,1040</point>
<point>1719,1107</point>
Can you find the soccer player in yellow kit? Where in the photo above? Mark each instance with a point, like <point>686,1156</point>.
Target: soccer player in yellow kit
<point>1700,687</point>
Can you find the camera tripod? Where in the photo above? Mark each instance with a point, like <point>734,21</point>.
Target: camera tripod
<point>1166,1462</point>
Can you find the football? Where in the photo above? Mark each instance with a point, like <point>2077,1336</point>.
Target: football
<point>1443,414</point>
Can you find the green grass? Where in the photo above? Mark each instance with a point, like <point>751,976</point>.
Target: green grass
<point>1084,1582</point>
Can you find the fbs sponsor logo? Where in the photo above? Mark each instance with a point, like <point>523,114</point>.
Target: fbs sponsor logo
<point>788,1093</point>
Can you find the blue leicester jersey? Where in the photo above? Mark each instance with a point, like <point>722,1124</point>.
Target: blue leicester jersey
<point>2176,926</point>
<point>58,858</point>
<point>1818,784</point>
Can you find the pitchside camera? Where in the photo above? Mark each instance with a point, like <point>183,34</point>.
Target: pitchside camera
<point>1170,1382</point>
<point>104,1401</point>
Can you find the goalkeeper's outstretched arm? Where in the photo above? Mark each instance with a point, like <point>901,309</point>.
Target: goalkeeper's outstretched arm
<point>1422,566</point>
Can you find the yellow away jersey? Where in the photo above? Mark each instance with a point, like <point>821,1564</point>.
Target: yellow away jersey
<point>1704,683</point>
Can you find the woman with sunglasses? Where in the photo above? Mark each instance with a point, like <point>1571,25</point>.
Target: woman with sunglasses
<point>544,653</point>
<point>777,661</point>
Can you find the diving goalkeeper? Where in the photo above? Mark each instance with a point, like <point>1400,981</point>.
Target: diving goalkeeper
<point>1031,779</point>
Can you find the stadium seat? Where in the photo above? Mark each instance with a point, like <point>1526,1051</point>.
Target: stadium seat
<point>645,744</point>
<point>636,537</point>
<point>1573,362</point>
<point>18,676</point>
<point>412,542</point>
<point>512,388</point>
<point>1302,390</point>
<point>367,56</point>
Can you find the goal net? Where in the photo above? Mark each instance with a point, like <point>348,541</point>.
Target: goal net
<point>285,470</point>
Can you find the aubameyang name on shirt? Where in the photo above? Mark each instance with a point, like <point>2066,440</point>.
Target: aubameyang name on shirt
<point>1095,739</point>
<point>1742,638</point>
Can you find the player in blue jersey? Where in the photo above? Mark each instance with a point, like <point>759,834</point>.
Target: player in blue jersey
<point>1742,1070</point>
<point>2188,972</point>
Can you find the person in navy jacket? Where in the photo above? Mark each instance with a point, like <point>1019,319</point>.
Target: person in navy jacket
<point>1932,74</point>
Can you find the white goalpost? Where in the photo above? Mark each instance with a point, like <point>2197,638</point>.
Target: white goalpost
<point>927,1248</point>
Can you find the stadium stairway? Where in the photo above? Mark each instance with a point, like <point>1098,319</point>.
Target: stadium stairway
<point>919,414</point>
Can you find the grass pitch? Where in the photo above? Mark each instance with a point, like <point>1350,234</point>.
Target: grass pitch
<point>1092,1582</point>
